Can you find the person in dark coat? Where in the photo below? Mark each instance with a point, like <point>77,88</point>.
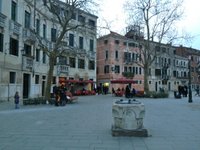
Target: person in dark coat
<point>127,92</point>
<point>16,97</point>
<point>63,95</point>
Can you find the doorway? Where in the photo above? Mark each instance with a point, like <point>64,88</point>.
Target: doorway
<point>169,86</point>
<point>26,85</point>
<point>156,86</point>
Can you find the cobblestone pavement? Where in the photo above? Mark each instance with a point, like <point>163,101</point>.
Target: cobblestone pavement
<point>174,124</point>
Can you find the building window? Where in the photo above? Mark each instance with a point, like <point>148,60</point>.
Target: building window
<point>81,63</point>
<point>44,58</point>
<point>131,44</point>
<point>117,69</point>
<point>71,40</point>
<point>73,16</point>
<point>44,31</point>
<point>38,26</point>
<point>129,69</point>
<point>37,79</point>
<point>72,62</point>
<point>105,42</point>
<point>127,57</point>
<point>133,57</point>
<point>27,22</point>
<point>116,41</point>
<point>12,77</point>
<point>81,19</point>
<point>53,35</point>
<point>14,47</point>
<point>157,48</point>
<point>136,70</point>
<point>91,45</point>
<point>125,69</point>
<point>91,23</point>
<point>1,42</point>
<point>27,50</point>
<point>81,42</point>
<point>37,57</point>
<point>106,69</point>
<point>116,54</point>
<point>158,72</point>
<point>91,65</point>
<point>140,70</point>
<point>14,11</point>
<point>164,49</point>
<point>106,54</point>
<point>62,60</point>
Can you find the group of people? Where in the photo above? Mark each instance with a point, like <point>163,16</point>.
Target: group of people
<point>60,95</point>
<point>182,91</point>
<point>128,92</point>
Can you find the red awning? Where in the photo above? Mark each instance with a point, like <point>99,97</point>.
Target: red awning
<point>79,81</point>
<point>123,81</point>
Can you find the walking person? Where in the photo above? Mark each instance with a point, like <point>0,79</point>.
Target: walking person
<point>197,91</point>
<point>16,97</point>
<point>127,91</point>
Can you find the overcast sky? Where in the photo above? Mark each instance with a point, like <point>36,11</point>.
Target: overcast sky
<point>112,12</point>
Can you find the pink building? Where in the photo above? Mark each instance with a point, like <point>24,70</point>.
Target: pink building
<point>118,58</point>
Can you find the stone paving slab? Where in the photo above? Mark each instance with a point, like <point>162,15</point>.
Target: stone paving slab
<point>173,123</point>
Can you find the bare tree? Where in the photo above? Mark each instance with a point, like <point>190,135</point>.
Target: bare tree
<point>61,14</point>
<point>158,18</point>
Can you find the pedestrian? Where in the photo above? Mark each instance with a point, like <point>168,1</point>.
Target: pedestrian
<point>127,91</point>
<point>113,92</point>
<point>16,97</point>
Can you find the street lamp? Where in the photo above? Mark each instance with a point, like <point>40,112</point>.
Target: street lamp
<point>189,82</point>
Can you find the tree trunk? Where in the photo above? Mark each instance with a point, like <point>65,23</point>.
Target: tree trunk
<point>146,85</point>
<point>49,77</point>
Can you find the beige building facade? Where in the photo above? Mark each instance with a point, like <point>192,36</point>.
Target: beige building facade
<point>24,66</point>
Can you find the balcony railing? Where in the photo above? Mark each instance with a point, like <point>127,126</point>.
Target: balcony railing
<point>91,54</point>
<point>27,63</point>
<point>29,35</point>
<point>63,69</point>
<point>2,20</point>
<point>14,27</point>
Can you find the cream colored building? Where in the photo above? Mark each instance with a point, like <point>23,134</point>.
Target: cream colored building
<point>23,65</point>
<point>168,71</point>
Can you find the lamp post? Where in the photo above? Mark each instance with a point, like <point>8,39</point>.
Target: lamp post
<point>189,82</point>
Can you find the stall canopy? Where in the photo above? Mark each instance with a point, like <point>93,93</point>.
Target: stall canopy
<point>123,81</point>
<point>79,81</point>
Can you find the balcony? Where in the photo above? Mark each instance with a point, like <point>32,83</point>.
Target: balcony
<point>182,77</point>
<point>29,35</point>
<point>128,62</point>
<point>46,43</point>
<point>27,63</point>
<point>91,55</point>
<point>2,20</point>
<point>64,69</point>
<point>165,77</point>
<point>81,52</point>
<point>14,27</point>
